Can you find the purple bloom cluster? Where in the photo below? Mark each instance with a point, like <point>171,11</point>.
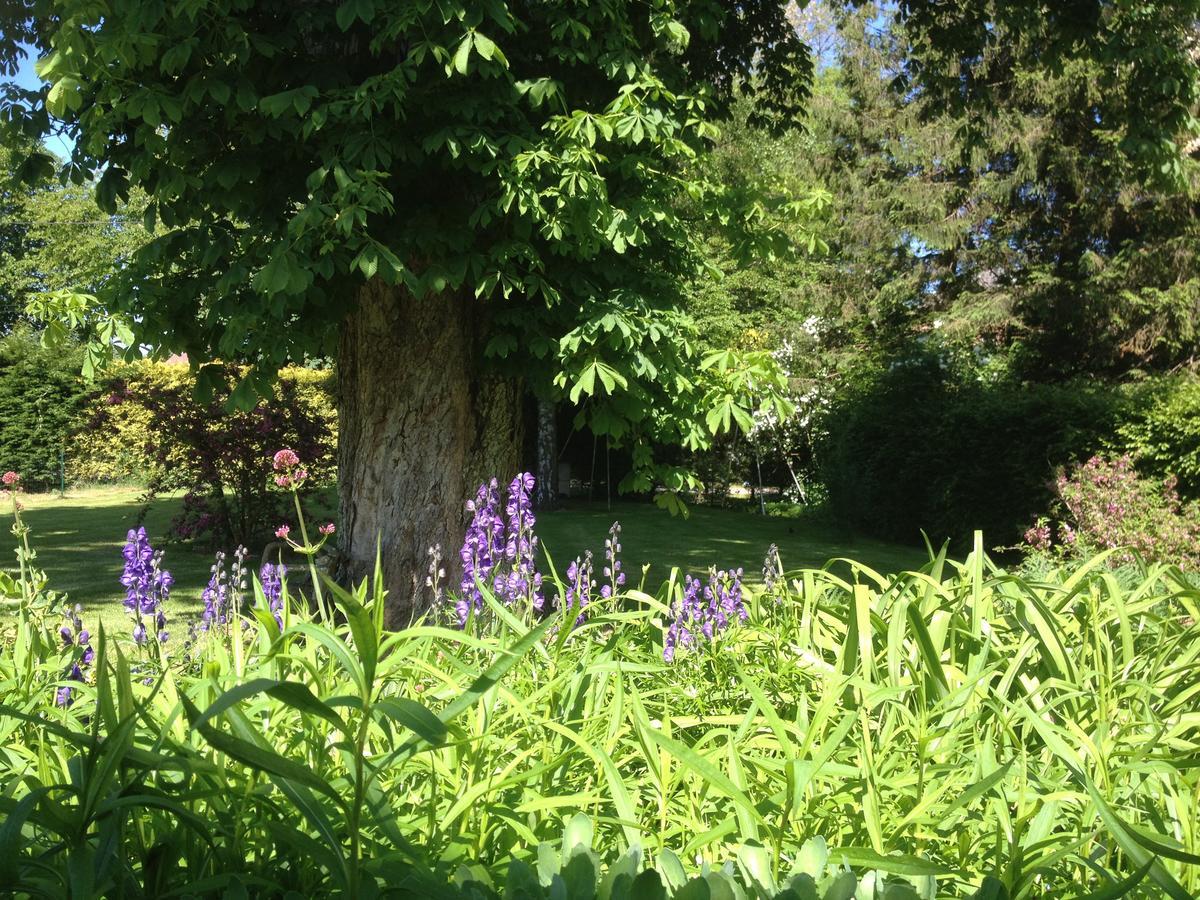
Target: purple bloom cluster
<point>579,586</point>
<point>271,577</point>
<point>523,581</point>
<point>500,551</point>
<point>482,545</point>
<point>147,586</point>
<point>73,634</point>
<point>705,610</point>
<point>612,561</point>
<point>223,595</point>
<point>216,596</point>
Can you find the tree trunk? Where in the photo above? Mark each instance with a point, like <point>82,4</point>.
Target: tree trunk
<point>547,454</point>
<point>421,424</point>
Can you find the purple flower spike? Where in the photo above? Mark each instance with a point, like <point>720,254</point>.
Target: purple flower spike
<point>612,562</point>
<point>216,596</point>
<point>580,585</point>
<point>499,550</point>
<point>482,548</point>
<point>522,581</point>
<point>147,585</point>
<point>773,580</point>
<point>705,610</point>
<point>271,576</point>
<point>75,635</point>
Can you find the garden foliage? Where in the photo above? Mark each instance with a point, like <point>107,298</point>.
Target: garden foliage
<point>147,423</point>
<point>1104,504</point>
<point>53,237</point>
<point>1164,435</point>
<point>535,160</point>
<point>959,729</point>
<point>1030,241</point>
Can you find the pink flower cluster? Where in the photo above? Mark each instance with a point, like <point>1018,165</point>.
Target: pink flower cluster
<point>291,473</point>
<point>1106,505</point>
<point>12,483</point>
<point>1038,535</point>
<point>283,531</point>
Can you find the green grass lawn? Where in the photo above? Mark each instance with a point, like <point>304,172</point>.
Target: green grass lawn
<point>725,538</point>
<point>79,539</point>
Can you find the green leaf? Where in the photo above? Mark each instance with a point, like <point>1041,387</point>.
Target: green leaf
<point>414,716</point>
<point>255,756</point>
<point>463,54</point>
<point>292,693</point>
<point>1132,847</point>
<point>484,45</point>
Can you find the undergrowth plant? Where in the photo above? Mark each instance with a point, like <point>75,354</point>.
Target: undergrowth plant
<point>956,731</point>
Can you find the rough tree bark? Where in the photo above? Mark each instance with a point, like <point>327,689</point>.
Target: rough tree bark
<point>421,423</point>
<point>547,454</point>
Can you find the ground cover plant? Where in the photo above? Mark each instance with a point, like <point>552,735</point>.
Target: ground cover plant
<point>947,732</point>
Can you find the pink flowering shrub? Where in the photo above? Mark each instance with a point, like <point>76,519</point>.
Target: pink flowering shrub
<point>1105,504</point>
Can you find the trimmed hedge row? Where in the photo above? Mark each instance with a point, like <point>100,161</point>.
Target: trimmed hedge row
<point>42,399</point>
<point>50,415</point>
<point>915,449</point>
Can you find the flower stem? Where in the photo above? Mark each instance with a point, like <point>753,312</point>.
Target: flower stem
<point>311,554</point>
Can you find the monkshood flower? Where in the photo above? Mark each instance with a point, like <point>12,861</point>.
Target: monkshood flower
<point>147,586</point>
<point>73,634</point>
<point>773,574</point>
<point>579,586</point>
<point>482,548</point>
<point>688,619</point>
<point>522,581</point>
<point>705,610</point>
<point>724,595</point>
<point>239,576</point>
<point>612,561</point>
<point>271,577</point>
<point>436,575</point>
<point>216,596</point>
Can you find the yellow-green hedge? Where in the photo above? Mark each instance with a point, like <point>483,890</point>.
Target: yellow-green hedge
<point>110,444</point>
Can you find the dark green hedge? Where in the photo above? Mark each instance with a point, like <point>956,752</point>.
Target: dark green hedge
<point>916,448</point>
<point>41,400</point>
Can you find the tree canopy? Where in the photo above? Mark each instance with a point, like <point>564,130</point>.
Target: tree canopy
<point>540,157</point>
<point>1039,245</point>
<point>54,238</point>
